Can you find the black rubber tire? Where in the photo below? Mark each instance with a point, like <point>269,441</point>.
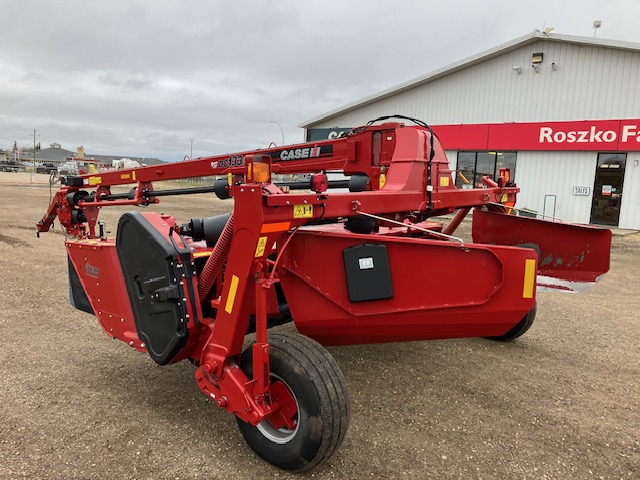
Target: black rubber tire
<point>318,385</point>
<point>520,329</point>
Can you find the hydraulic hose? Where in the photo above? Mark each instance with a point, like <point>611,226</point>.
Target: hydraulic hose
<point>456,220</point>
<point>216,260</point>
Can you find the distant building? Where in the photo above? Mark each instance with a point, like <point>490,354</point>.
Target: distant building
<point>57,155</point>
<point>562,112</point>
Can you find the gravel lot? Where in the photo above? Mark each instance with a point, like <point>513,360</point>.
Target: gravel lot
<point>562,402</point>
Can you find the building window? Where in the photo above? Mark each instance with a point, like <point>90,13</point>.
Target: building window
<point>474,165</point>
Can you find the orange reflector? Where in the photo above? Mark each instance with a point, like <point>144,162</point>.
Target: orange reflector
<point>275,227</point>
<point>506,174</point>
<point>258,172</point>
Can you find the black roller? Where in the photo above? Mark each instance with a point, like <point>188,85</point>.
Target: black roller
<point>74,197</point>
<point>78,216</point>
<point>221,188</point>
<point>364,225</point>
<point>207,229</point>
<point>359,182</point>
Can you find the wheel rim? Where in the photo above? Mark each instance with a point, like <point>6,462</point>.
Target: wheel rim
<point>283,434</point>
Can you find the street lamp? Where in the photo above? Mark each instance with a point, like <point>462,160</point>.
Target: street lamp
<point>34,156</point>
<point>281,131</point>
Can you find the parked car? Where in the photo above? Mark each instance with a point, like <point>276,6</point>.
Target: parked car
<point>9,166</point>
<point>46,168</point>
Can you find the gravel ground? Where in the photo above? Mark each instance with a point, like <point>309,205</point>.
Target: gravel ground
<point>561,402</point>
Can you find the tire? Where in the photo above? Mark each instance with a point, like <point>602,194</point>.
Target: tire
<point>315,383</point>
<point>520,329</point>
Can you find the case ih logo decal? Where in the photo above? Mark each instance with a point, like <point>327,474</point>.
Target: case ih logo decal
<point>592,135</point>
<point>91,270</point>
<point>298,153</point>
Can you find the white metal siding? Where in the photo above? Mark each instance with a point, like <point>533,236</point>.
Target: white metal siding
<point>630,207</point>
<point>556,173</point>
<point>590,83</point>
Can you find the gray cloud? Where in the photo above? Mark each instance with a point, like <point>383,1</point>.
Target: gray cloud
<point>142,77</point>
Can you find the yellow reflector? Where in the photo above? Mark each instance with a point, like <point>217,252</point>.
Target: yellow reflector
<point>529,278</point>
<point>383,180</point>
<point>231,298</point>
<point>444,181</point>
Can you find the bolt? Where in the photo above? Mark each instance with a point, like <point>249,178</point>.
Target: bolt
<point>131,343</point>
<point>222,402</point>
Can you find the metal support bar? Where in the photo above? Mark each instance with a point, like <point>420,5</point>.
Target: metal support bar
<point>430,232</point>
<point>261,347</point>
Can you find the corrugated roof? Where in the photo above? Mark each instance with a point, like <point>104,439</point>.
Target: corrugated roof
<point>467,62</point>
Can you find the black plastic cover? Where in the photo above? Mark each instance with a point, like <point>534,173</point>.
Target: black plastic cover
<point>149,264</point>
<point>77,295</point>
<point>368,273</point>
<point>71,181</point>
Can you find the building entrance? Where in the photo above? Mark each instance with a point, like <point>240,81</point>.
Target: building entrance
<point>607,188</point>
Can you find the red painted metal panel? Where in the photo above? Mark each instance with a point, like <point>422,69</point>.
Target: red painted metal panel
<point>571,256</point>
<point>99,272</point>
<point>440,289</point>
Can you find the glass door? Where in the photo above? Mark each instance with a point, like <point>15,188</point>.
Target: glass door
<point>607,188</point>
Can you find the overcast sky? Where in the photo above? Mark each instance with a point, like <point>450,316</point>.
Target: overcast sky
<point>141,78</point>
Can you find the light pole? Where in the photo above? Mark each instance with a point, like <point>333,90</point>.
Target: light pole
<point>191,151</point>
<point>281,131</point>
<point>34,156</point>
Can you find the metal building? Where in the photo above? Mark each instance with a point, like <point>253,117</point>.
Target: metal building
<point>562,111</point>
